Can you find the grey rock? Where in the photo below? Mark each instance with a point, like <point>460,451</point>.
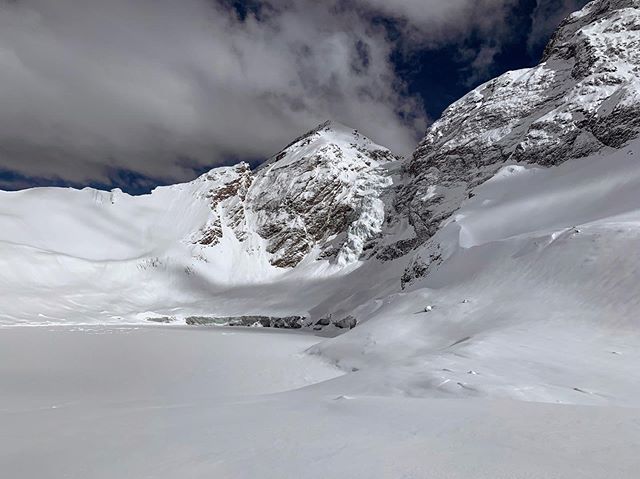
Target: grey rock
<point>321,190</point>
<point>287,322</point>
<point>163,319</point>
<point>326,321</point>
<point>346,323</point>
<point>583,97</point>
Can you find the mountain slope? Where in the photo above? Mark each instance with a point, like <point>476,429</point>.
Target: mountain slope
<point>584,97</point>
<point>322,190</point>
<point>536,298</point>
<point>521,227</point>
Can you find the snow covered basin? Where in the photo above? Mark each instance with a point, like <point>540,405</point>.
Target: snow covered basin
<point>62,366</point>
<point>172,402</point>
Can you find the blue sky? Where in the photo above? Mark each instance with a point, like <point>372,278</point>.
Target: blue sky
<point>137,94</point>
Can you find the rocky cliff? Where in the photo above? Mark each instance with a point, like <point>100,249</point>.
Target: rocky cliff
<point>582,98</point>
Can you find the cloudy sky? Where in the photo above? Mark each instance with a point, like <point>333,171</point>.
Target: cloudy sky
<point>135,93</point>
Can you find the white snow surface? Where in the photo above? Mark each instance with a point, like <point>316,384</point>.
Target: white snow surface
<point>163,403</point>
<point>537,298</point>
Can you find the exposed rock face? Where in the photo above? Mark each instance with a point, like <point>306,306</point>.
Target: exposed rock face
<point>346,323</point>
<point>322,191</point>
<point>227,200</point>
<point>583,97</point>
<point>287,322</point>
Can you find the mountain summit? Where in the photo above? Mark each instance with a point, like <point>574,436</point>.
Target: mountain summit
<point>319,196</point>
<point>321,192</point>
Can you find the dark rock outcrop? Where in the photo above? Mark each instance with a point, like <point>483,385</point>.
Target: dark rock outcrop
<point>287,322</point>
<point>346,323</point>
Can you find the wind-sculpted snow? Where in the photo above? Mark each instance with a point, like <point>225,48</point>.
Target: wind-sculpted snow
<point>584,97</point>
<point>105,403</point>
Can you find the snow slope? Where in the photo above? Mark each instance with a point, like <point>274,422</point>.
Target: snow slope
<point>530,273</point>
<point>536,297</point>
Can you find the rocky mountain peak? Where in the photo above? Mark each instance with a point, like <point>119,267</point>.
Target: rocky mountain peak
<point>583,97</point>
<point>601,27</point>
<point>595,11</point>
<point>321,192</point>
<point>329,134</point>
<point>319,197</point>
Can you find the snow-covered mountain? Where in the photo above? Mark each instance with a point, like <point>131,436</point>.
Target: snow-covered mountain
<point>583,98</point>
<point>491,263</point>
<point>518,223</point>
<point>535,298</point>
<point>499,264</point>
<point>322,192</point>
<point>332,201</point>
<point>307,213</point>
<point>319,196</point>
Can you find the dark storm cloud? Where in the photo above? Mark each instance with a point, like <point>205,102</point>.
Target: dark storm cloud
<point>139,84</point>
<point>160,88</point>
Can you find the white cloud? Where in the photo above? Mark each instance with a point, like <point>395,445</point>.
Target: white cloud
<point>437,21</point>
